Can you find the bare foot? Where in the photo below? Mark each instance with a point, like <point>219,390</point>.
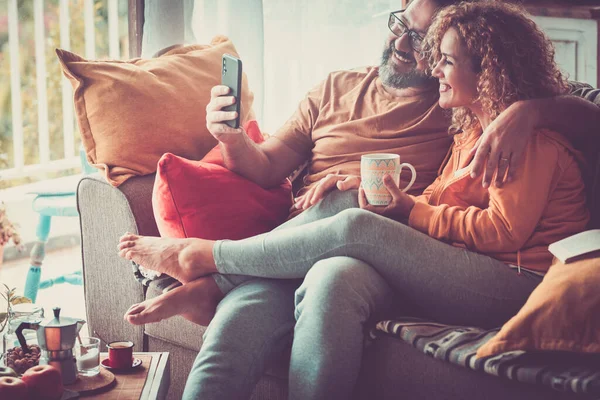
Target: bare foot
<point>196,301</point>
<point>183,259</point>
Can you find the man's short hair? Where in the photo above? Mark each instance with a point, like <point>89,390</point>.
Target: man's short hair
<point>445,3</point>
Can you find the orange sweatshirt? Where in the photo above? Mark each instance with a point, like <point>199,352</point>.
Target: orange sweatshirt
<point>543,204</point>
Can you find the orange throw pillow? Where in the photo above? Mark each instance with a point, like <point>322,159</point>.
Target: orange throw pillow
<point>562,313</point>
<point>132,112</point>
<point>206,200</point>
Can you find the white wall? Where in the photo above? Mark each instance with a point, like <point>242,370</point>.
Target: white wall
<point>576,44</point>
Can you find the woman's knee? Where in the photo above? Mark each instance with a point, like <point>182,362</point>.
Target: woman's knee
<point>355,223</point>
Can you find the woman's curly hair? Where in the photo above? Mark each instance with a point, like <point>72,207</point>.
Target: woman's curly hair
<point>512,57</point>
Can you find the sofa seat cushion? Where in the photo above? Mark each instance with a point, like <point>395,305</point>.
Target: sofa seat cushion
<point>562,371</point>
<point>393,369</point>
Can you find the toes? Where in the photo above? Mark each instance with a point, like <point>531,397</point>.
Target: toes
<point>128,236</point>
<point>125,253</point>
<point>126,244</point>
<point>134,309</point>
<point>134,319</point>
<point>144,316</point>
<point>133,313</point>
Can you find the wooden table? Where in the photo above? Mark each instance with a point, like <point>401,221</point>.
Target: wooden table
<point>150,381</point>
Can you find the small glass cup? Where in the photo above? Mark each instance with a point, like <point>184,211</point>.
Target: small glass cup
<point>87,353</point>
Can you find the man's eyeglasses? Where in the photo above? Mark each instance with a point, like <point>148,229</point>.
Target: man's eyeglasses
<point>399,28</point>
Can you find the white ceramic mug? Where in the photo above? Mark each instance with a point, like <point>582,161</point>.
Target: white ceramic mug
<point>373,167</point>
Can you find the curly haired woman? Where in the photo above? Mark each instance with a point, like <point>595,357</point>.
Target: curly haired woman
<point>468,254</point>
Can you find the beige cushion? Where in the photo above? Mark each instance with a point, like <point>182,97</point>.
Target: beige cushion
<point>132,112</point>
<point>562,313</point>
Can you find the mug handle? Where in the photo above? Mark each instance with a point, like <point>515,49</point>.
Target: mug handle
<point>414,175</point>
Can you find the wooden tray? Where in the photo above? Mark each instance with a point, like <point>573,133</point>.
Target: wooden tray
<point>93,384</point>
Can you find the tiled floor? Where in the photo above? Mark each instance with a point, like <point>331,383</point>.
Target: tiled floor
<point>58,262</point>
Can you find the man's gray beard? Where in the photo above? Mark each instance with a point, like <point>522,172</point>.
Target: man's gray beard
<point>396,80</point>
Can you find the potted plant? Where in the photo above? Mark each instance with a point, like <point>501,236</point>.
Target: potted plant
<point>10,298</point>
<point>8,231</point>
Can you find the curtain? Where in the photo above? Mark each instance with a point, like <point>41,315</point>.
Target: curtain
<point>286,46</point>
<point>306,39</point>
<point>242,22</point>
<point>166,22</point>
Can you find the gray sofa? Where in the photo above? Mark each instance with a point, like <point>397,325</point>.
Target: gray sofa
<point>392,369</point>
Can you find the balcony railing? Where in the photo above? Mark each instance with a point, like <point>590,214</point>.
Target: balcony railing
<point>40,136</point>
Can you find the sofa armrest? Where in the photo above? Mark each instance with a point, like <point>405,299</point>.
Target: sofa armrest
<point>110,288</point>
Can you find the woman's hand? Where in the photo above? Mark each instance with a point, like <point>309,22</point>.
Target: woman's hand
<point>215,117</point>
<point>398,209</point>
<point>318,191</point>
<point>502,143</point>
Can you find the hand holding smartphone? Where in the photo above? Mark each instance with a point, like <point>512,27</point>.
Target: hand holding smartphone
<point>231,76</point>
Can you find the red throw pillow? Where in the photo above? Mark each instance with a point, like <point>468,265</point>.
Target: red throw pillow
<point>206,200</point>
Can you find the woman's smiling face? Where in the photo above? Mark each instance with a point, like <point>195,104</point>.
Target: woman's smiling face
<point>455,72</point>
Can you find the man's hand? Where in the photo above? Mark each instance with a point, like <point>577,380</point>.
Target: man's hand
<point>501,145</point>
<point>215,117</point>
<point>398,209</point>
<point>318,191</point>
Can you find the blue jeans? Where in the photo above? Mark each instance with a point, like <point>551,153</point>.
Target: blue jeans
<point>255,322</point>
<point>335,306</point>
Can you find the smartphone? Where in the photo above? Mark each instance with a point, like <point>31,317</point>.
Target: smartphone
<point>231,76</point>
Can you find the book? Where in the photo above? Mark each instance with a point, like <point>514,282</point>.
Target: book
<point>575,246</point>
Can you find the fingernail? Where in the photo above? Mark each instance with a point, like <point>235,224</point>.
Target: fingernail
<point>473,175</point>
<point>485,184</point>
